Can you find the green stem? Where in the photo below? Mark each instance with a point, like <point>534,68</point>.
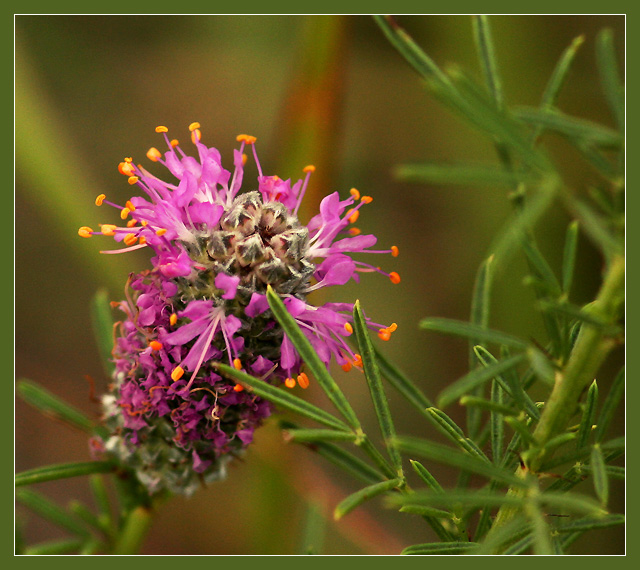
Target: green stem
<point>134,530</point>
<point>590,350</point>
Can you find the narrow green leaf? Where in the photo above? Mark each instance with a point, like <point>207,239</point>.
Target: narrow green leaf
<point>575,129</point>
<point>511,383</point>
<point>314,435</point>
<point>282,398</point>
<point>356,499</point>
<point>62,471</point>
<point>615,446</point>
<point>101,498</point>
<point>580,314</point>
<point>461,174</point>
<point>541,365</point>
<point>102,320</point>
<point>455,498</point>
<point>314,530</point>
<point>454,432</point>
<point>52,406</point>
<point>47,509</point>
<point>426,476</point>
<point>439,548</point>
<point>596,226</point>
<point>571,502</point>
<point>522,430</point>
<point>569,256</point>
<point>557,80</point>
<point>588,416</point>
<point>470,331</point>
<point>402,384</point>
<point>347,461</point>
<point>65,546</point>
<point>372,374</point>
<point>591,523</point>
<point>85,514</point>
<point>541,268</point>
<point>516,529</point>
<point>311,358</point>
<point>541,538</point>
<point>487,57</point>
<point>600,478</point>
<point>610,405</point>
<point>475,378</point>
<point>609,77</point>
<point>423,511</point>
<point>613,471</point>
<point>449,456</point>
<point>496,423</point>
<point>490,405</point>
<point>559,440</point>
<point>520,546</point>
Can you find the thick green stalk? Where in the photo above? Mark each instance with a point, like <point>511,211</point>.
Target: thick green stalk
<point>590,350</point>
<point>134,530</point>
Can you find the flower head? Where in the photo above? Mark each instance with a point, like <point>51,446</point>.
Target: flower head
<point>216,249</point>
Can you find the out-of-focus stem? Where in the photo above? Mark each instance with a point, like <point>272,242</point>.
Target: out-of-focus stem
<point>134,530</point>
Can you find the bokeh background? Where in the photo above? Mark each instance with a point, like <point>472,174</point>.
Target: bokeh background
<point>327,90</point>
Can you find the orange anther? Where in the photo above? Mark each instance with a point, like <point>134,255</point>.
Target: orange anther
<point>154,154</point>
<point>353,231</point>
<point>155,345</point>
<point>126,168</point>
<point>367,199</point>
<point>309,168</point>
<point>173,319</point>
<point>143,240</point>
<point>132,180</point>
<point>132,222</point>
<point>99,199</point>
<point>162,129</point>
<point>85,232</point>
<point>128,159</point>
<point>194,126</point>
<point>130,206</point>
<point>124,213</point>
<point>238,388</point>
<point>395,251</point>
<point>178,372</point>
<point>130,239</point>
<point>354,192</point>
<point>384,334</point>
<point>248,139</point>
<point>174,143</point>
<point>161,231</point>
<point>244,159</point>
<point>108,229</point>
<point>348,327</point>
<point>353,216</point>
<point>395,278</point>
<point>196,135</point>
<point>392,327</point>
<point>303,380</point>
<point>357,360</point>
<point>347,366</point>
<point>237,364</point>
<point>290,383</point>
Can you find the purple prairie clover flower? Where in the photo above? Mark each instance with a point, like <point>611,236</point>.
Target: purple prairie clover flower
<point>216,249</point>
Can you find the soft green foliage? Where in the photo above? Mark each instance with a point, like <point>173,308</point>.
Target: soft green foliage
<point>518,458</point>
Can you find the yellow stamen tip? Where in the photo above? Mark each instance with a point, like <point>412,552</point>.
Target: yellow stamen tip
<point>244,159</point>
<point>162,129</point>
<point>154,154</point>
<point>132,222</point>
<point>395,251</point>
<point>85,232</point>
<point>128,159</point>
<point>132,180</point>
<point>194,126</point>
<point>174,143</point>
<point>248,139</point>
<point>178,372</point>
<point>290,383</point>
<point>126,168</point>
<point>366,199</point>
<point>173,319</point>
<point>353,218</point>
<point>196,135</point>
<point>357,360</point>
<point>155,345</point>
<point>108,229</point>
<point>309,168</point>
<point>99,199</point>
<point>354,192</point>
<point>130,206</point>
<point>348,327</point>
<point>161,231</point>
<point>130,239</point>
<point>143,240</point>
<point>303,381</point>
<point>395,278</point>
<point>124,213</point>
<point>237,364</point>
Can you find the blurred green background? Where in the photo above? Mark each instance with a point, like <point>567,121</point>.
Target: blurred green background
<point>326,90</point>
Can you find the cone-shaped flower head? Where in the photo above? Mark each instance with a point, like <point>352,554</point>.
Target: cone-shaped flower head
<point>173,418</point>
